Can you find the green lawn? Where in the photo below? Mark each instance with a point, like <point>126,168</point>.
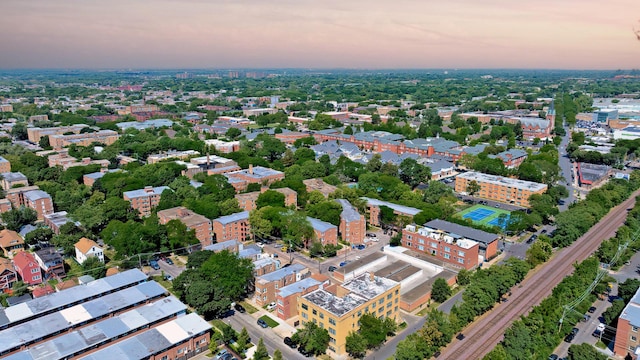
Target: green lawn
<point>272,323</point>
<point>250,308</point>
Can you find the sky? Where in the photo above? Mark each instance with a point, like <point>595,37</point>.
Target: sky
<point>362,34</point>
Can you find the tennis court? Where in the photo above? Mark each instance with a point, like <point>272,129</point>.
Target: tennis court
<point>485,215</point>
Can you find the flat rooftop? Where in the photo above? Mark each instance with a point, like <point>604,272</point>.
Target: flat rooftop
<point>399,208</point>
<point>480,236</point>
<point>418,291</point>
<point>397,271</point>
<point>355,265</point>
<point>502,181</point>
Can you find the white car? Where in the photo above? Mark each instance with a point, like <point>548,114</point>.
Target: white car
<point>271,306</point>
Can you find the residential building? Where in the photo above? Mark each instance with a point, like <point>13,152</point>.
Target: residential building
<point>55,220</point>
<point>241,179</point>
<point>267,285</point>
<point>224,147</point>
<point>325,232</point>
<point>6,108</point>
<point>592,175</point>
<point>106,137</point>
<point>11,179</point>
<point>374,210</point>
<point>535,127</point>
<point>627,342</point>
<point>51,263</point>
<point>10,242</point>
<point>318,184</point>
<point>16,195</point>
<point>34,134</point>
<point>339,309</point>
<point>27,267</point>
<point>5,165</point>
<point>7,274</point>
<point>39,201</point>
<point>232,227</point>
<point>171,155</point>
<point>488,242</point>
<point>499,188</point>
<point>247,201</point>
<point>353,226</point>
<point>287,296</point>
<point>264,266</point>
<point>511,158</point>
<point>450,248</point>
<point>5,205</point>
<point>145,124</point>
<point>200,224</point>
<point>233,246</point>
<point>86,248</point>
<point>290,137</point>
<point>66,161</point>
<point>144,200</point>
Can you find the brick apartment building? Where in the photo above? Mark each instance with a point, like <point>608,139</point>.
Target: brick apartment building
<point>247,201</point>
<point>171,155</point>
<point>447,247</point>
<point>265,266</point>
<point>267,285</point>
<point>16,195</point>
<point>34,134</point>
<point>27,267</point>
<point>241,179</point>
<point>5,205</point>
<point>8,274</point>
<point>287,297</point>
<point>339,308</point>
<point>325,232</point>
<point>39,201</point>
<point>374,210</point>
<point>11,179</point>
<point>627,343</point>
<point>224,147</point>
<point>232,227</point>
<point>200,224</point>
<point>353,226</point>
<point>488,242</point>
<point>106,137</point>
<point>55,220</point>
<point>498,188</point>
<point>318,184</point>
<point>5,165</point>
<point>144,200</point>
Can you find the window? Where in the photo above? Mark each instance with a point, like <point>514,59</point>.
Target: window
<point>389,296</point>
<point>165,357</point>
<point>434,245</point>
<point>332,321</point>
<point>461,253</point>
<point>408,237</point>
<point>421,241</point>
<point>389,304</point>
<point>633,338</point>
<point>447,256</point>
<point>321,316</point>
<point>420,247</point>
<point>380,301</point>
<point>304,306</point>
<point>461,261</point>
<point>35,270</point>
<point>332,331</point>
<point>634,328</point>
<point>381,310</point>
<point>304,315</point>
<point>36,277</point>
<point>280,311</point>
<point>447,249</point>
<point>315,312</point>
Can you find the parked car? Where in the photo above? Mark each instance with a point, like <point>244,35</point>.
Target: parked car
<point>569,338</point>
<point>239,308</point>
<point>460,336</point>
<point>168,261</point>
<point>289,342</point>
<point>304,352</point>
<point>553,357</point>
<point>221,353</point>
<point>226,356</point>
<point>343,263</point>
<point>371,235</point>
<point>154,264</point>
<point>168,277</point>
<point>362,247</point>
<point>271,306</point>
<point>332,268</point>
<point>574,331</point>
<point>592,310</point>
<point>263,323</point>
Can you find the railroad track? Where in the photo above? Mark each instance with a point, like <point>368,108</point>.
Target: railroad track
<point>485,333</point>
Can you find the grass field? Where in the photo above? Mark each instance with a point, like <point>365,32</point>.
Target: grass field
<point>485,215</point>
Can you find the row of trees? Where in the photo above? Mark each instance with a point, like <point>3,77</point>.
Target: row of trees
<point>372,333</point>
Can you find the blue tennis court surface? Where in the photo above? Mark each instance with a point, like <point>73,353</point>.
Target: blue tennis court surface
<point>478,214</point>
<point>501,222</point>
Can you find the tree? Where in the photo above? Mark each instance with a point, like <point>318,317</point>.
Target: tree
<point>375,164</point>
<point>15,219</point>
<point>356,345</point>
<point>39,235</point>
<point>440,291</point>
<point>372,330</point>
<point>464,277</point>
<point>613,312</point>
<point>243,340</point>
<point>539,253</point>
<point>585,351</point>
<point>348,130</point>
<point>473,187</point>
<point>312,338</point>
<point>19,288</point>
<point>94,268</point>
<point>233,133</point>
<point>270,198</point>
<point>19,131</point>
<point>261,352</point>
<point>628,288</point>
<point>277,355</point>
<point>412,173</point>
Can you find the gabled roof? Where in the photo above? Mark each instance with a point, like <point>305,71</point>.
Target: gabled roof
<point>9,238</point>
<point>22,260</point>
<point>84,245</point>
<point>6,264</point>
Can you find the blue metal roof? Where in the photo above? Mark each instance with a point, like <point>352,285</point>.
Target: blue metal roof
<point>141,192</point>
<point>244,215</point>
<point>349,213</point>
<point>400,208</point>
<point>320,225</point>
<point>280,274</point>
<point>298,287</point>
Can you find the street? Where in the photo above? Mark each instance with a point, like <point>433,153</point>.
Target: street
<point>566,168</point>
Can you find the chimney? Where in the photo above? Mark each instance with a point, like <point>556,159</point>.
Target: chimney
<point>371,276</point>
<point>148,189</point>
<point>251,169</point>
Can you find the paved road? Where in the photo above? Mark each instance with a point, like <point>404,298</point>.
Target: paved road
<point>566,167</point>
<point>484,334</point>
<point>271,340</point>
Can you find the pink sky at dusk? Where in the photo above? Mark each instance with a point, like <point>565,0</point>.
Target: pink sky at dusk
<point>567,34</point>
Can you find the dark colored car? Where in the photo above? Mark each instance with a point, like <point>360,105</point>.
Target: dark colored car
<point>263,323</point>
<point>361,247</point>
<point>460,336</point>
<point>304,352</point>
<point>332,268</point>
<point>289,342</point>
<point>592,309</point>
<point>574,331</point>
<point>239,308</point>
<point>343,263</point>
<point>154,264</point>
<point>569,338</point>
<point>553,357</point>
<point>168,261</point>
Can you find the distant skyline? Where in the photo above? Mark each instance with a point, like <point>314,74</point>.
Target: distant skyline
<point>551,34</point>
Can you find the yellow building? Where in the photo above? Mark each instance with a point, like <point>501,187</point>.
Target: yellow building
<point>338,309</point>
<point>498,188</point>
